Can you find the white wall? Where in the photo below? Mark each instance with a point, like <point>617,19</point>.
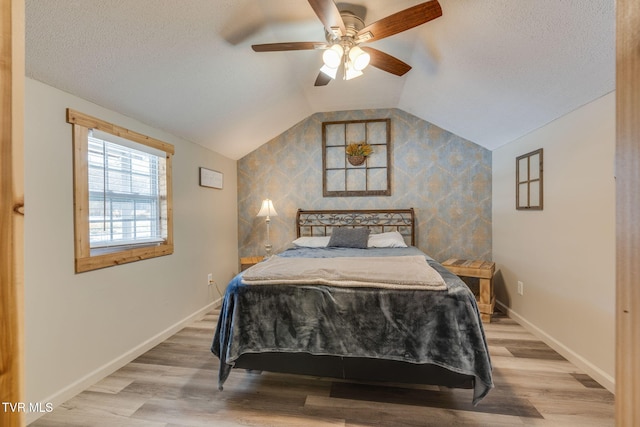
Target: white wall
<point>79,327</point>
<point>565,254</point>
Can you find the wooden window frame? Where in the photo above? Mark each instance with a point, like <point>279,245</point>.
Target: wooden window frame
<point>367,168</point>
<point>84,259</point>
<point>530,182</point>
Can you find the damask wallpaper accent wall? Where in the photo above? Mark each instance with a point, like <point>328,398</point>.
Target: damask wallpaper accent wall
<point>447,179</point>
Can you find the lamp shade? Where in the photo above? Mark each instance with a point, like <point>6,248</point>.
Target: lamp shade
<point>359,58</point>
<point>267,209</point>
<point>331,72</point>
<point>351,73</point>
<point>332,57</point>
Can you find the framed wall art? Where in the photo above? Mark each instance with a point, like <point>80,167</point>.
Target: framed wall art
<point>210,178</point>
<point>529,189</point>
<point>356,158</point>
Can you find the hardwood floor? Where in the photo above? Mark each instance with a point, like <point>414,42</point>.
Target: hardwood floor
<point>175,384</point>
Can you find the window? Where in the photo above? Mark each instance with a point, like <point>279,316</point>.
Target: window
<point>122,194</point>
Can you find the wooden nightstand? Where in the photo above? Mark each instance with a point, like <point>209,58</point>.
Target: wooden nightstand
<point>247,262</point>
<point>483,270</point>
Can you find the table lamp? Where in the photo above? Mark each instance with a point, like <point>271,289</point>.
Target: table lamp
<point>268,211</point>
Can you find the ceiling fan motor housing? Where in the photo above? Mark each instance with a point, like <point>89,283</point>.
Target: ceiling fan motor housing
<point>352,23</point>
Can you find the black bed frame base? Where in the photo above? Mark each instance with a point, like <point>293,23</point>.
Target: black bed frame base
<point>354,368</point>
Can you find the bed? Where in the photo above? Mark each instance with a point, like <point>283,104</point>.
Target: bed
<point>347,327</point>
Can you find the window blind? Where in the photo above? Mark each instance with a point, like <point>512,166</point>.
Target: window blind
<point>124,201</point>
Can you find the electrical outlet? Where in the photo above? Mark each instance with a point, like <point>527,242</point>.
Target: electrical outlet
<point>209,279</point>
<point>520,288</point>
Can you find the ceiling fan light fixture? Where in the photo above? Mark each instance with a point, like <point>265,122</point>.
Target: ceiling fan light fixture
<point>359,58</point>
<point>332,57</point>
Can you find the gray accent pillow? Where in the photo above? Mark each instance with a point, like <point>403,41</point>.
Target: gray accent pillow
<point>343,237</point>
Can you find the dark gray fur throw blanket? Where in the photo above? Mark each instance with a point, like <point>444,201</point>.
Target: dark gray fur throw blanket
<point>416,326</point>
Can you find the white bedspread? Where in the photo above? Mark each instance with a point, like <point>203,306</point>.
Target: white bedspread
<point>395,272</point>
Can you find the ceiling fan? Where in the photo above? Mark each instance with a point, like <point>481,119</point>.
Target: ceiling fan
<point>345,31</point>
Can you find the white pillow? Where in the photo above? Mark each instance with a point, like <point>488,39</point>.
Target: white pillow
<point>312,241</point>
<point>391,239</point>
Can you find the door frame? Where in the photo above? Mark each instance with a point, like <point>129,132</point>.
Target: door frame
<point>11,209</point>
<point>627,171</point>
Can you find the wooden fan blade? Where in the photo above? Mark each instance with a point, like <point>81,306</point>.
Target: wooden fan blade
<point>401,21</point>
<point>277,47</point>
<point>329,15</point>
<point>386,62</point>
<point>322,79</point>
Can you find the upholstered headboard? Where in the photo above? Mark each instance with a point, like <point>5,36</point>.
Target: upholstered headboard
<point>321,222</point>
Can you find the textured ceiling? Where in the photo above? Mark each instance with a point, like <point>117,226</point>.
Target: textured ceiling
<point>488,70</point>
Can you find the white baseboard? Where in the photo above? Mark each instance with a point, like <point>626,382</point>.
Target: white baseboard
<point>107,369</point>
<point>604,379</point>
<point>217,303</point>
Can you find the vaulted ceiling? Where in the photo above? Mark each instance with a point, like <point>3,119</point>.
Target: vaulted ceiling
<point>489,71</point>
